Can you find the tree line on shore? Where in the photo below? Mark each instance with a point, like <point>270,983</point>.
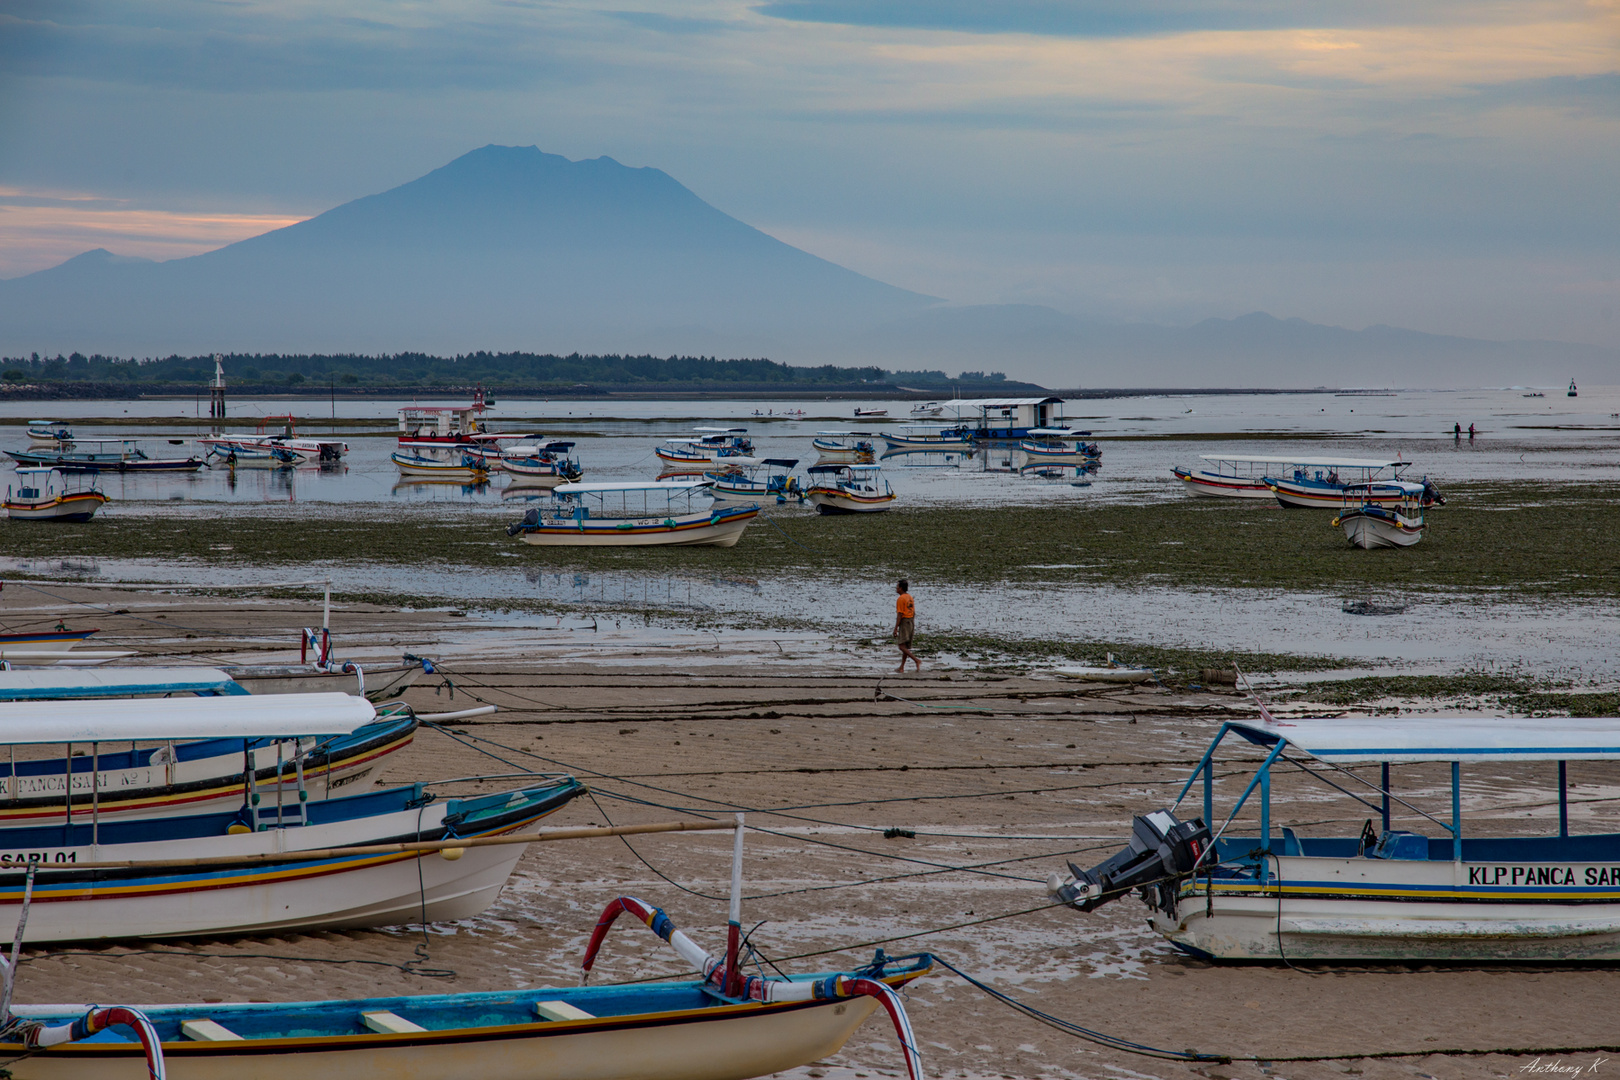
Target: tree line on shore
<point>358,371</point>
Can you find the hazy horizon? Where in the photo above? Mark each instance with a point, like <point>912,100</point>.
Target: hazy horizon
<point>1448,170</point>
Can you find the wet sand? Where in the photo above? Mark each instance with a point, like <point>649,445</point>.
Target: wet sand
<point>826,749</point>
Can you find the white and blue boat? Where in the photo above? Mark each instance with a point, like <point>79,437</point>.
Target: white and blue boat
<point>1059,446</point>
<point>928,437</point>
<point>110,454</point>
<point>1323,483</point>
<point>845,447</point>
<point>49,432</point>
<point>660,513</point>
<point>1385,514</point>
<point>710,444</point>
<point>1414,884</point>
<point>541,464</point>
<point>742,483</point>
<point>187,774</point>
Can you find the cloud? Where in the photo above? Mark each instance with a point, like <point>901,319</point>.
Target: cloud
<point>1115,18</point>
<point>39,229</point>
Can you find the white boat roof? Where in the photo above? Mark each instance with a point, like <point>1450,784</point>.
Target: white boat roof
<point>1362,740</point>
<point>248,717</point>
<point>1410,487</point>
<point>841,433</point>
<point>670,486</point>
<point>722,430</point>
<point>1062,431</point>
<point>737,460</point>
<point>1002,403</point>
<point>34,468</point>
<point>43,684</point>
<point>1310,462</point>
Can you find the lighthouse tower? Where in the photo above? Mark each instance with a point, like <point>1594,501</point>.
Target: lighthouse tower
<point>216,392</point>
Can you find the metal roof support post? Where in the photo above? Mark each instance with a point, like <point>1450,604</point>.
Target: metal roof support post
<point>1384,781</point>
<point>1209,790</point>
<point>1563,798</point>
<point>1265,811</point>
<point>1207,762</point>
<point>1456,811</point>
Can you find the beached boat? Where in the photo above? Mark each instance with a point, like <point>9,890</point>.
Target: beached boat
<point>632,515</point>
<point>848,489</point>
<point>1107,673</point>
<point>307,447</point>
<point>928,437</point>
<point>49,433</point>
<point>845,447</point>
<point>195,776</point>
<point>1237,476</point>
<point>105,455</point>
<point>1059,446</point>
<point>230,872</point>
<point>451,464</point>
<point>1323,483</point>
<point>1385,514</point>
<point>740,483</point>
<point>541,464</point>
<point>44,494</point>
<point>708,446</point>
<point>54,647</point>
<point>1388,894</point>
<point>234,455</point>
<point>725,1025</point>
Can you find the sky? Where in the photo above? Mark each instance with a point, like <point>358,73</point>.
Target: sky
<point>1444,166</point>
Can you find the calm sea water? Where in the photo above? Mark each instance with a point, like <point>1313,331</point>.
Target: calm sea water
<point>1518,438</point>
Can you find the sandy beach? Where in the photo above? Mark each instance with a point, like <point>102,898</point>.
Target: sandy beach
<point>825,749</point>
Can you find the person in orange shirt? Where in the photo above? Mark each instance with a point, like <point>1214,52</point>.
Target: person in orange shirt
<point>905,626</point>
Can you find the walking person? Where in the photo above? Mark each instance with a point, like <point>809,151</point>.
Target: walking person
<point>905,624</point>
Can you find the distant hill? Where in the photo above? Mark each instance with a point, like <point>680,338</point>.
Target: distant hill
<point>508,249</point>
<point>503,248</point>
<point>1257,350</point>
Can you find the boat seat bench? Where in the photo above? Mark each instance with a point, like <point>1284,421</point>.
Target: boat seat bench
<point>560,1010</point>
<point>207,1031</point>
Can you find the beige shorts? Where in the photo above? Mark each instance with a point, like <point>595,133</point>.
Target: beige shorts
<point>907,630</point>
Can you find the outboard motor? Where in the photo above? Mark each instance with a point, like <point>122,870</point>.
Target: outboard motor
<point>1163,851</point>
<point>1431,494</point>
<point>530,520</point>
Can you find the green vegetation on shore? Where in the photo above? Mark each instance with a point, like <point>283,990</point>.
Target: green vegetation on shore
<point>1521,542</point>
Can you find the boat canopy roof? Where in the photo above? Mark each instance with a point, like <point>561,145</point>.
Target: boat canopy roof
<point>845,468</point>
<point>1002,403</point>
<point>1405,487</point>
<point>45,684</point>
<point>736,461</point>
<point>1310,462</point>
<point>673,487</point>
<point>862,434</point>
<point>1060,432</point>
<point>722,430</point>
<point>782,462</point>
<point>34,469</point>
<point>248,717</point>
<point>1364,740</point>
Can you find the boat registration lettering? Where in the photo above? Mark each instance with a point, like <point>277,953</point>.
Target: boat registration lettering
<point>1544,875</point>
<point>24,858</point>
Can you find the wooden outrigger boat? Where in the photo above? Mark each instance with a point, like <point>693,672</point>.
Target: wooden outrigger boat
<point>741,483</point>
<point>1325,483</point>
<point>43,494</point>
<point>928,437</point>
<point>1059,446</point>
<point>1386,514</point>
<point>845,447</point>
<point>49,433</point>
<point>632,515</point>
<point>128,457</point>
<point>709,446</point>
<point>1388,894</point>
<point>724,1025</point>
<point>541,465</point>
<point>190,774</point>
<point>849,489</point>
<point>450,464</point>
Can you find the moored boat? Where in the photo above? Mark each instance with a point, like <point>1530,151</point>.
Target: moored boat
<point>928,437</point>
<point>849,489</point>
<point>1384,514</point>
<point>44,494</point>
<point>49,433</point>
<point>739,483</point>
<point>541,464</point>
<point>107,455</point>
<point>632,515</point>
<point>1323,483</point>
<point>845,447</point>
<point>1391,893</point>
<point>445,464</point>
<point>1059,446</point>
<point>709,445</point>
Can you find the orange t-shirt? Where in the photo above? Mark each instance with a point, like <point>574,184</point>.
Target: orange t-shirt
<point>905,607</point>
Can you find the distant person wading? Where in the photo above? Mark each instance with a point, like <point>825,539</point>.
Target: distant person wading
<point>905,624</point>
